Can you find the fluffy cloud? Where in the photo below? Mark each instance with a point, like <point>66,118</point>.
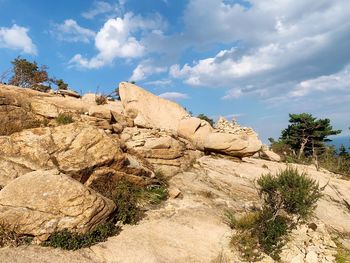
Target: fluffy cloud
<point>145,69</point>
<point>275,44</point>
<point>70,31</point>
<point>335,82</point>
<point>173,95</point>
<point>117,39</point>
<point>16,37</point>
<point>100,7</point>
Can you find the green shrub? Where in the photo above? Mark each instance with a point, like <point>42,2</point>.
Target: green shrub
<point>290,191</point>
<point>72,241</point>
<point>284,195</point>
<point>126,197</point>
<point>64,118</point>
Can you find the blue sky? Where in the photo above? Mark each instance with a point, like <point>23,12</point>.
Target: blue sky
<point>250,59</point>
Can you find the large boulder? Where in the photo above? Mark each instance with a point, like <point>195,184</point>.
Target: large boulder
<point>74,149</point>
<point>148,110</point>
<point>42,202</point>
<point>267,154</point>
<point>231,140</point>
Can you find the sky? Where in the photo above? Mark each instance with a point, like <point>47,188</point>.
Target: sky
<point>253,60</point>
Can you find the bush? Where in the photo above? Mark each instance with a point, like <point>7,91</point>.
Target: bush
<point>64,118</point>
<point>126,197</point>
<point>285,195</point>
<point>289,191</point>
<point>72,241</point>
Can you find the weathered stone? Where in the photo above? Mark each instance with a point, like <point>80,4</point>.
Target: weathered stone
<point>100,112</point>
<point>205,138</point>
<point>117,128</point>
<point>74,149</point>
<point>187,127</point>
<point>42,202</point>
<point>148,110</point>
<point>122,119</point>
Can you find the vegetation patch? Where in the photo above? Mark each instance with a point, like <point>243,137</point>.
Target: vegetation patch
<point>11,238</point>
<point>288,197</point>
<point>64,118</point>
<point>101,100</point>
<point>72,241</point>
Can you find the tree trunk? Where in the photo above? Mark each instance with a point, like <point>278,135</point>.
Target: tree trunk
<point>302,147</point>
<point>314,155</point>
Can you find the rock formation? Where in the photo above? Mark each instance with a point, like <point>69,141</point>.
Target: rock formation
<point>48,171</point>
<point>150,111</point>
<point>42,202</point>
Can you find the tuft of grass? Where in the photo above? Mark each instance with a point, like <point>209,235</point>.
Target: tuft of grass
<point>64,118</point>
<point>248,246</point>
<point>11,238</point>
<point>343,254</point>
<point>100,99</point>
<point>72,241</point>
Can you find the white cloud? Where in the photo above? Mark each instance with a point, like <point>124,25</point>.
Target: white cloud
<point>117,39</point>
<point>100,7</point>
<point>233,94</point>
<point>173,95</point>
<point>145,69</point>
<point>16,37</point>
<point>335,82</point>
<point>160,82</point>
<point>70,31</point>
<point>275,44</point>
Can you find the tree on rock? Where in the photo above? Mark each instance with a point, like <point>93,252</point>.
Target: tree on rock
<point>306,134</point>
<point>28,75</point>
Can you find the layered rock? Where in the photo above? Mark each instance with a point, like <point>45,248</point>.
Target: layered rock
<point>76,150</point>
<point>233,141</point>
<point>148,110</point>
<point>42,202</point>
<point>163,149</point>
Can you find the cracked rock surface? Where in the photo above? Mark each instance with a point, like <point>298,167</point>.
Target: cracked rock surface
<point>41,202</point>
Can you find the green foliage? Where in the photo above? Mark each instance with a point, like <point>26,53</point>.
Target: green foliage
<point>27,74</point>
<point>72,241</point>
<point>206,118</point>
<point>64,118</point>
<point>284,195</point>
<point>126,197</point>
<point>271,232</point>
<point>290,191</point>
<point>306,134</point>
<point>61,84</point>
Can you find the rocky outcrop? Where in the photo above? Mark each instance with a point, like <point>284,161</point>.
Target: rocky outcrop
<point>163,149</point>
<point>233,141</point>
<point>76,150</point>
<point>42,202</point>
<point>148,110</point>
